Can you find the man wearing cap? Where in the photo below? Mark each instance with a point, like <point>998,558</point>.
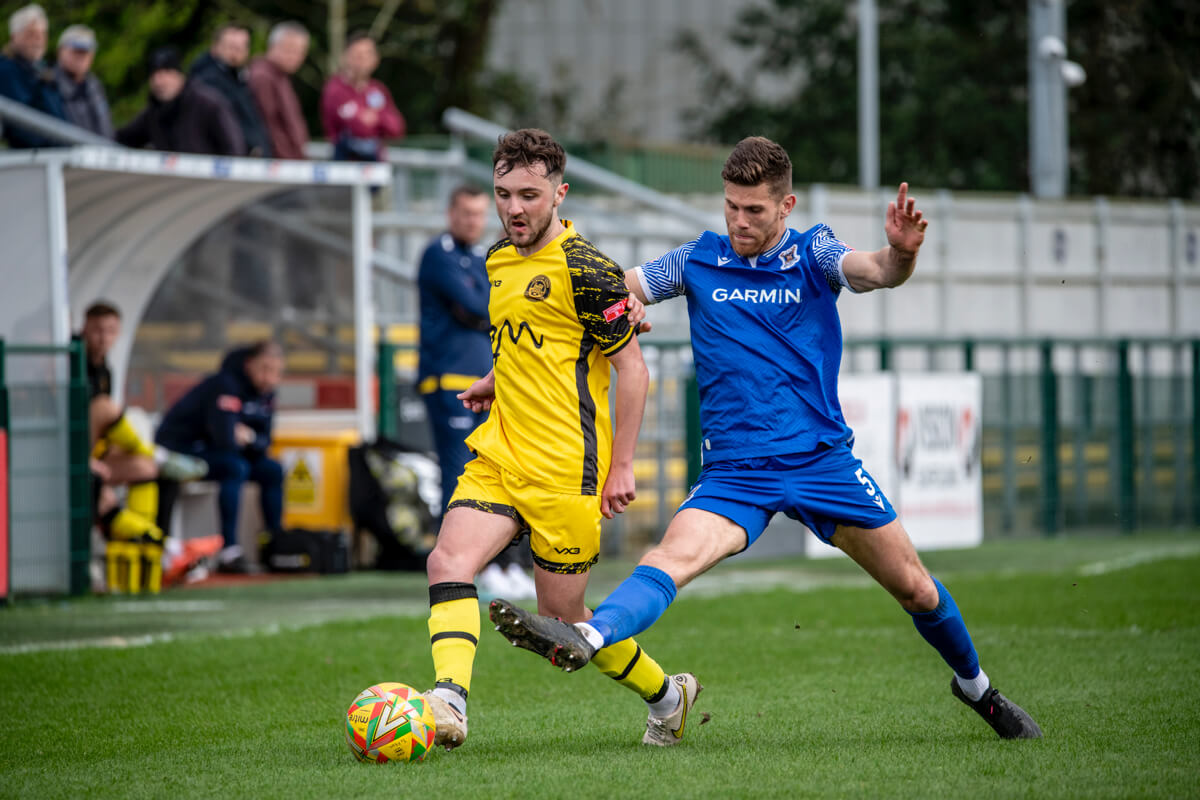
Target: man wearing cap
<point>84,101</point>
<point>182,116</point>
<point>24,76</point>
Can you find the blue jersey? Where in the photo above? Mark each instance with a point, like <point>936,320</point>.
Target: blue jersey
<point>766,340</point>
<point>454,288</point>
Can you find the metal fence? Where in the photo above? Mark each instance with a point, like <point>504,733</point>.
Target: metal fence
<point>44,409</point>
<point>1080,434</point>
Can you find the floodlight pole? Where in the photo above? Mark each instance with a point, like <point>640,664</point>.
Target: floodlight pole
<point>1050,75</point>
<point>868,95</point>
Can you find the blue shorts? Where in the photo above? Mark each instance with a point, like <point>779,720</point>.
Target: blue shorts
<point>823,489</point>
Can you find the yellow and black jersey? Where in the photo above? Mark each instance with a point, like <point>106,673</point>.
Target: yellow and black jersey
<point>555,317</point>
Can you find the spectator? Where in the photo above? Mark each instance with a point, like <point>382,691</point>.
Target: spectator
<point>455,352</point>
<point>182,116</point>
<point>24,76</point>
<point>84,101</point>
<point>357,111</point>
<point>270,81</point>
<point>221,69</point>
<point>226,421</point>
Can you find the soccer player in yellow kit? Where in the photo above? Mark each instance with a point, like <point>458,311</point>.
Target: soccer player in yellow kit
<point>548,462</point>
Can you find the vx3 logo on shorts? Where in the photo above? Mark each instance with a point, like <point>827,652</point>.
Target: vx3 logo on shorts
<point>567,551</point>
<point>514,336</point>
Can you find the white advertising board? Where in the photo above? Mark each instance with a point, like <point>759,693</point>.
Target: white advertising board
<point>869,405</point>
<point>938,444</point>
<point>918,435</point>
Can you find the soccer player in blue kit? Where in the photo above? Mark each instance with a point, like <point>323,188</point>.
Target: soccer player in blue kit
<point>767,345</point>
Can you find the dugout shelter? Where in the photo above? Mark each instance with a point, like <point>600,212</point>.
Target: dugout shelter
<point>88,222</point>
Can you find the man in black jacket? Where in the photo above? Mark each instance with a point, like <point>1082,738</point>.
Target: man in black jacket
<point>182,116</point>
<point>226,420</point>
<point>222,69</point>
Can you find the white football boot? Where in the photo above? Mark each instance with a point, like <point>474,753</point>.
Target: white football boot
<point>450,726</point>
<point>668,731</point>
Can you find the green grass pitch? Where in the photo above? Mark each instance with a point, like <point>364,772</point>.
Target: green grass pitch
<point>815,680</point>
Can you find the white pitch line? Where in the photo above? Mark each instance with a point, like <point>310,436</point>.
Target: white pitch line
<point>1141,557</point>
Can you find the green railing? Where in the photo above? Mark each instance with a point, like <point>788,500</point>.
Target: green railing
<point>28,524</point>
<point>1077,433</point>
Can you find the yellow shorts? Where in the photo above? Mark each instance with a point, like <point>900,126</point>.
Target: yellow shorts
<point>564,529</point>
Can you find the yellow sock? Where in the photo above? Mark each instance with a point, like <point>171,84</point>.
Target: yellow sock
<point>143,499</point>
<point>626,664</point>
<point>127,525</point>
<point>122,434</point>
<point>453,633</point>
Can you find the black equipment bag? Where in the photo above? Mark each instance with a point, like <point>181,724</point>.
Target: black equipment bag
<point>301,550</point>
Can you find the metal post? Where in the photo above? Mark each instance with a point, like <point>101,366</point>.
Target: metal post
<point>1008,516</point>
<point>885,355</point>
<point>79,480</point>
<point>968,355</point>
<point>1050,489</point>
<point>1126,499</point>
<point>364,311</point>
<point>386,376</point>
<point>5,488</point>
<point>1196,432</point>
<point>1047,99</point>
<point>868,95</point>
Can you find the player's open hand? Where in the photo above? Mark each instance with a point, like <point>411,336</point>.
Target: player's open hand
<point>619,491</point>
<point>635,310</point>
<point>905,225</point>
<point>480,395</point>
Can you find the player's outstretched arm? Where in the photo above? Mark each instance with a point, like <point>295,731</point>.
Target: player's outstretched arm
<point>887,268</point>
<point>480,395</point>
<point>633,379</point>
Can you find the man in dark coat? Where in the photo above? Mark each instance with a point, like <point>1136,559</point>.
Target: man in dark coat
<point>84,100</point>
<point>226,420</point>
<point>221,69</point>
<point>24,76</point>
<point>182,116</point>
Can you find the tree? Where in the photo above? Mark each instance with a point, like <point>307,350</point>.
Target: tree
<point>431,51</point>
<point>954,96</point>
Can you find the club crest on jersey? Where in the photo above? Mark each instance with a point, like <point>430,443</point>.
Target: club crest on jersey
<point>788,258</point>
<point>538,288</point>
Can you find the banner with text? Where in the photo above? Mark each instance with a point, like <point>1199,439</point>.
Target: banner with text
<point>918,436</point>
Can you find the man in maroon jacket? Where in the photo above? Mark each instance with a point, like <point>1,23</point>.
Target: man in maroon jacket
<point>182,116</point>
<point>270,82</point>
<point>357,111</point>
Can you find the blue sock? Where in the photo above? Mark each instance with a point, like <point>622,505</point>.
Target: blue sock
<point>945,630</point>
<point>633,606</point>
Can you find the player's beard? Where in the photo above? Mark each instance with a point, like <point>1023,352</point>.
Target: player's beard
<point>534,230</point>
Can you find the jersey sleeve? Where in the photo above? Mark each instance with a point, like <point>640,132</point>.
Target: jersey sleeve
<point>598,286</point>
<point>828,252</point>
<point>662,278</point>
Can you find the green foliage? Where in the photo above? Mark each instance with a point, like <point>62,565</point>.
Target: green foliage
<point>818,687</point>
<point>953,92</point>
<point>431,52</point>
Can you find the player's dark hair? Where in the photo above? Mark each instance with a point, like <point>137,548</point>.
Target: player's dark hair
<point>264,347</point>
<point>101,308</point>
<point>527,147</point>
<point>226,28</point>
<point>357,36</point>
<point>757,160</point>
<point>464,190</point>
